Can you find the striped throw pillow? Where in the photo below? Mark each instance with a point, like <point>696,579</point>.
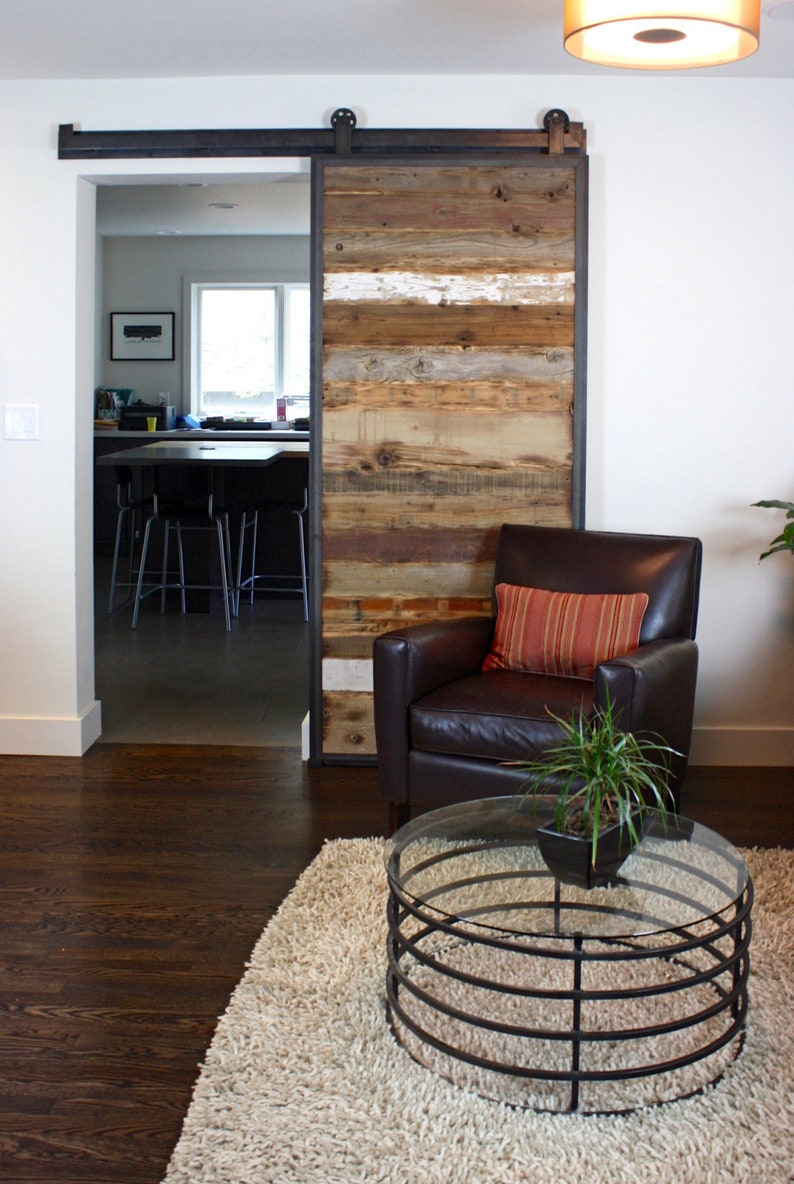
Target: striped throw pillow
<point>564,633</point>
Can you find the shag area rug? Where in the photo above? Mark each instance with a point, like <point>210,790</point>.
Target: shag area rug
<point>304,1082</point>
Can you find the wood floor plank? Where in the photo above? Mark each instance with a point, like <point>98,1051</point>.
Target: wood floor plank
<point>134,883</point>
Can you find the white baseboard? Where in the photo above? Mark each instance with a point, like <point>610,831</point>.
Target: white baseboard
<point>36,736</point>
<point>742,746</point>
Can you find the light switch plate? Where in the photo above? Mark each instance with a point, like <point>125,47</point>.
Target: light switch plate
<point>21,421</point>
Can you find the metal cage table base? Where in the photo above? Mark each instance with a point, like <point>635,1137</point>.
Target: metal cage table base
<point>577,1012</point>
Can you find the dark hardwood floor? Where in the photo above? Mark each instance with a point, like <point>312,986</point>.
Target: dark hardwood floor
<point>134,883</point>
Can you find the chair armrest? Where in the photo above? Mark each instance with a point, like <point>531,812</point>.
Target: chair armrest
<point>653,688</point>
<point>407,664</point>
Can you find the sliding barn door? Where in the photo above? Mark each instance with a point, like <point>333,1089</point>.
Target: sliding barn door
<point>452,377</point>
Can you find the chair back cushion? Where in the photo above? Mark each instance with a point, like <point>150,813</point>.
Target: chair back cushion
<point>666,568</point>
<point>563,633</point>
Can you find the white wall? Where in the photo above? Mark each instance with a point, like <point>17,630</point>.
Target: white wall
<point>690,410</point>
<point>145,275</point>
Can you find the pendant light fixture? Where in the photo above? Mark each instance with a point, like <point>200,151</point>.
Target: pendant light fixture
<point>645,35</point>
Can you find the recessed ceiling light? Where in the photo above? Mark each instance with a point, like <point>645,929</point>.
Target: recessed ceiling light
<point>166,232</point>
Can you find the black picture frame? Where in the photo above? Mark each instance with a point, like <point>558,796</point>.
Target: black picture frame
<point>142,336</point>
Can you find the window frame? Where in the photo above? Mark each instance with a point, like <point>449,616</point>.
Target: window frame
<point>193,284</point>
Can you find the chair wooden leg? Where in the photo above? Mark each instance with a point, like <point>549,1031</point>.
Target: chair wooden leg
<point>399,815</point>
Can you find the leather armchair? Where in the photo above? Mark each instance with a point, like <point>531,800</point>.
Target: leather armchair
<point>444,728</point>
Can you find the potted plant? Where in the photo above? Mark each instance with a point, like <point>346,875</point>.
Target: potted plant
<point>785,540</point>
<point>607,781</point>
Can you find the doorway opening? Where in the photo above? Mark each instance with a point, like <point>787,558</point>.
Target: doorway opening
<point>183,678</point>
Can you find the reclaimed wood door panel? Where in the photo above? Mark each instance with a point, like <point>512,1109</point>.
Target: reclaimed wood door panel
<point>451,380</point>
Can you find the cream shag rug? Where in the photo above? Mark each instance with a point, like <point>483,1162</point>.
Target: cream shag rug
<point>304,1082</point>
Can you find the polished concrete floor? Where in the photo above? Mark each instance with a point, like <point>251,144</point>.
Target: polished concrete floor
<point>186,680</point>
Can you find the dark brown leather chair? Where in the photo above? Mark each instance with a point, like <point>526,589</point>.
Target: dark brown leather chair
<point>444,728</point>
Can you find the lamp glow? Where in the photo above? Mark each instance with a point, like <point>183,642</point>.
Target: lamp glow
<point>662,36</point>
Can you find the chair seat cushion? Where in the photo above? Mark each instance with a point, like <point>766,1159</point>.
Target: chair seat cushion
<point>563,633</point>
<point>499,714</point>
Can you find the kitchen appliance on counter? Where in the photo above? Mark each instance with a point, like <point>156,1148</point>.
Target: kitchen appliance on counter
<point>133,419</point>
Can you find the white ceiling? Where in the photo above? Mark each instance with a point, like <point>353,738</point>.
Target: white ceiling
<point>193,38</point>
<point>276,203</point>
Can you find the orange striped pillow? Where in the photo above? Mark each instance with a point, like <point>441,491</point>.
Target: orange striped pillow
<point>566,633</point>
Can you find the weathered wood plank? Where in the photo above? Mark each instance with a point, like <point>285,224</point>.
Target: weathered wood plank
<point>466,482</point>
<point>418,438</point>
<point>351,511</point>
<point>513,213</point>
<point>533,395</point>
<point>545,181</point>
<point>358,646</point>
<point>411,580</point>
<point>366,324</point>
<point>544,248</point>
<point>405,364</point>
<point>414,543</point>
<point>490,288</point>
<point>391,607</point>
<point>348,723</point>
<point>352,626</point>
<point>352,646</point>
<point>351,459</point>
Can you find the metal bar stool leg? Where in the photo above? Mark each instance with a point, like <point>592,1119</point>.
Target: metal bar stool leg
<point>227,534</point>
<point>164,578</point>
<point>180,559</point>
<point>123,511</point>
<point>240,553</point>
<point>252,581</point>
<point>248,522</point>
<point>224,576</point>
<point>181,556</point>
<point>304,583</point>
<point>255,534</point>
<point>139,586</point>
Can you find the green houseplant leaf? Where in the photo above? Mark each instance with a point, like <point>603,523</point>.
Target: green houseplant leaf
<point>601,775</point>
<point>785,540</point>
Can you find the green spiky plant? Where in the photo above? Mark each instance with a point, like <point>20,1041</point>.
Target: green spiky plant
<point>785,540</point>
<point>601,775</point>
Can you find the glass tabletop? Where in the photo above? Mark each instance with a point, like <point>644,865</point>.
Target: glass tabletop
<point>478,864</point>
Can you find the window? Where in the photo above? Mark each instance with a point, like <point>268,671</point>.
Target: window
<point>249,347</point>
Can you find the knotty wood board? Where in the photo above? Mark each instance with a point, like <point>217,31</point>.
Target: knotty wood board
<point>449,314</point>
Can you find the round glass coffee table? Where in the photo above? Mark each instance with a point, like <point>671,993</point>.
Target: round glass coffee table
<point>560,998</point>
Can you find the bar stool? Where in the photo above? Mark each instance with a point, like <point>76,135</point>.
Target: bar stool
<point>131,507</point>
<point>190,514</point>
<point>250,522</point>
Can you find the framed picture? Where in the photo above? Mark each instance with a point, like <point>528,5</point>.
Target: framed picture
<point>142,336</point>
